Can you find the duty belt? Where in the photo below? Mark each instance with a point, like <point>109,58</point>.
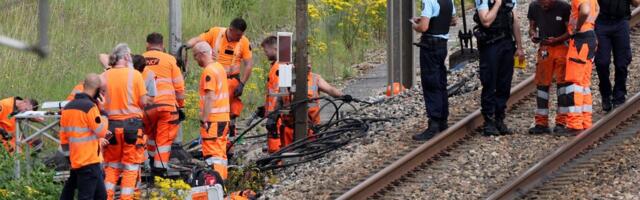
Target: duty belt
<point>430,41</point>
<point>584,35</point>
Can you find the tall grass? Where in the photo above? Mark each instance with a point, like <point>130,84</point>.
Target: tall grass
<point>80,30</point>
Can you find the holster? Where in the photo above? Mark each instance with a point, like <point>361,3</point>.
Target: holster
<point>485,37</point>
<point>130,129</point>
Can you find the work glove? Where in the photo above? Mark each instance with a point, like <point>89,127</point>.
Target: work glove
<point>238,91</point>
<point>5,135</point>
<point>347,98</point>
<point>260,112</point>
<point>181,115</point>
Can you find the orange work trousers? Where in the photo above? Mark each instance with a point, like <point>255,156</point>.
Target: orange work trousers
<point>161,127</point>
<point>122,159</point>
<point>234,102</point>
<point>214,146</point>
<point>287,134</point>
<point>551,65</point>
<point>578,77</point>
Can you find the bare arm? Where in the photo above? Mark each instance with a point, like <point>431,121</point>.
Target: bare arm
<point>422,24</point>
<point>488,16</point>
<point>533,29</point>
<point>582,17</point>
<point>194,41</point>
<point>325,87</point>
<point>144,101</point>
<point>246,73</point>
<point>516,30</point>
<point>208,98</point>
<point>104,60</point>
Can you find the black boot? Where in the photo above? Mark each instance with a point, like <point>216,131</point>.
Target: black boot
<point>539,129</point>
<point>607,106</point>
<point>502,127</point>
<point>432,130</point>
<point>489,127</point>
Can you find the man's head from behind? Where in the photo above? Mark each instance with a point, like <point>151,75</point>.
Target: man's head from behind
<point>121,55</point>
<point>139,63</point>
<point>236,29</point>
<point>270,47</point>
<point>202,53</point>
<point>26,105</point>
<point>546,4</point>
<point>92,84</point>
<point>155,41</point>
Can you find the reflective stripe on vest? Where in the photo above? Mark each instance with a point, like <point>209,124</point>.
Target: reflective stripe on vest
<point>82,139</point>
<point>216,161</point>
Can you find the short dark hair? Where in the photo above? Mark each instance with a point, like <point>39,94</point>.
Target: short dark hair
<point>34,104</point>
<point>154,38</point>
<point>269,41</point>
<point>139,63</point>
<point>239,23</point>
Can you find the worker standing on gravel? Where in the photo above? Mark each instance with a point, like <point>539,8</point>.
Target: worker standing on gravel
<point>231,48</point>
<point>163,116</point>
<point>548,26</point>
<point>496,29</point>
<point>434,23</point>
<point>10,107</point>
<point>612,30</point>
<point>281,127</point>
<point>214,109</point>
<point>582,46</point>
<point>82,136</point>
<point>125,97</point>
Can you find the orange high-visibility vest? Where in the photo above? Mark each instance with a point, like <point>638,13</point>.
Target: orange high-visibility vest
<point>214,79</point>
<point>123,91</point>
<point>271,98</point>
<point>227,53</point>
<point>590,23</point>
<point>7,121</point>
<point>81,128</point>
<point>169,80</point>
<point>314,105</point>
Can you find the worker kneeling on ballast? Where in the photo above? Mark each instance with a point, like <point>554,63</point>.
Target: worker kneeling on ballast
<point>280,126</point>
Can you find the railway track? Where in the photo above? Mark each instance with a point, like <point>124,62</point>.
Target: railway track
<point>412,172</point>
<point>588,151</point>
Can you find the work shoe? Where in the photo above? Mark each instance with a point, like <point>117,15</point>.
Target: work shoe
<point>561,130</point>
<point>489,127</point>
<point>606,105</point>
<point>502,127</point>
<point>432,130</point>
<point>539,129</point>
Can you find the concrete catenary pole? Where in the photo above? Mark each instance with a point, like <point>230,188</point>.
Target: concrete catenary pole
<point>175,41</point>
<point>301,70</point>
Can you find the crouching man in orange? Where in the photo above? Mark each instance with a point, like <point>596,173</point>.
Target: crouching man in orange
<point>214,109</point>
<point>82,136</point>
<point>8,108</point>
<point>281,128</point>
<point>582,46</point>
<point>125,96</point>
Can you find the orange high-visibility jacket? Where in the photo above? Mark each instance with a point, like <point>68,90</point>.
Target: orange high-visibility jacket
<point>590,23</point>
<point>214,79</point>
<point>287,99</point>
<point>123,91</point>
<point>81,128</point>
<point>227,53</point>
<point>77,89</point>
<point>7,121</point>
<point>271,98</point>
<point>169,80</point>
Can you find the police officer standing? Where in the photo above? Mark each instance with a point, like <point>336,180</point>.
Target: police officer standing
<point>434,22</point>
<point>496,29</point>
<point>612,30</point>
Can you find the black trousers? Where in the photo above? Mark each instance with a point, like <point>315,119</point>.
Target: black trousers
<point>613,36</point>
<point>496,71</point>
<point>89,180</point>
<point>434,79</point>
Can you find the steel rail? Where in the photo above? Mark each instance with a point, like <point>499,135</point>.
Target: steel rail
<point>431,148</point>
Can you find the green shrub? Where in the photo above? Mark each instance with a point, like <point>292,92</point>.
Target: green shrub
<point>36,183</point>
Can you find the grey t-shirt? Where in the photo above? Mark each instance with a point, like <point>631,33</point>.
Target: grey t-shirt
<point>552,22</point>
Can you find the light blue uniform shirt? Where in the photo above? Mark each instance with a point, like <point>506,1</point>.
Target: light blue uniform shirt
<point>484,4</point>
<point>431,9</point>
